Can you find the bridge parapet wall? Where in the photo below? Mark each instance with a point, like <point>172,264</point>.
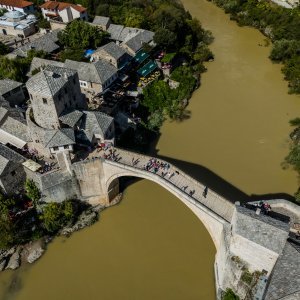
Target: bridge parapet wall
<point>212,201</point>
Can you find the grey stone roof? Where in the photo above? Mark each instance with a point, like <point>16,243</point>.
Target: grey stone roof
<point>47,43</point>
<point>138,40</point>
<point>62,137</point>
<point>105,70</point>
<point>13,122</point>
<point>115,31</point>
<point>113,50</point>
<point>8,156</point>
<point>95,122</point>
<point>38,63</point>
<point>71,118</point>
<point>7,85</point>
<point>264,218</point>
<point>285,278</point>
<point>49,81</point>
<point>128,33</point>
<point>99,20</point>
<point>260,229</point>
<point>97,72</point>
<point>54,178</point>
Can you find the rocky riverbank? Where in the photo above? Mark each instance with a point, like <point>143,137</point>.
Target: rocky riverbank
<point>14,257</point>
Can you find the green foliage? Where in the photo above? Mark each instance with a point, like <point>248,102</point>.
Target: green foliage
<point>165,38</point>
<point>3,49</point>
<point>80,35</point>
<point>44,23</point>
<point>291,70</point>
<point>17,68</point>
<point>285,49</point>
<point>32,192</point>
<point>230,295</point>
<point>247,277</point>
<point>295,122</point>
<point>56,215</point>
<point>73,54</point>
<point>162,101</point>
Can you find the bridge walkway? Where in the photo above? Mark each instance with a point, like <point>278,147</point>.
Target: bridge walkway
<point>186,184</point>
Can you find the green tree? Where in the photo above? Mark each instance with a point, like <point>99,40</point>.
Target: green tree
<point>72,54</point>
<point>32,191</point>
<point>52,217</point>
<point>230,295</point>
<point>80,35</point>
<point>165,38</point>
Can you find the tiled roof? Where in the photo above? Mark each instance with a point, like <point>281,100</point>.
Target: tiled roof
<point>113,50</point>
<point>7,85</point>
<point>16,3</point>
<point>136,43</point>
<point>285,279</point>
<point>128,33</point>
<point>47,43</point>
<point>97,72</point>
<point>115,31</point>
<point>62,137</point>
<point>55,178</point>
<point>8,156</point>
<point>99,20</point>
<point>38,63</point>
<point>61,6</point>
<point>95,122</point>
<point>50,80</point>
<point>71,118</point>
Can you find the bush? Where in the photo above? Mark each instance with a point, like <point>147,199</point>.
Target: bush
<point>230,295</point>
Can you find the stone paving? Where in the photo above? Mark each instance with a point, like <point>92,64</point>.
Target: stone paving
<point>179,179</point>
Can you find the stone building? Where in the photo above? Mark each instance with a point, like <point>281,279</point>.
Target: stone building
<point>62,11</point>
<point>112,53</point>
<point>17,23</point>
<point>52,91</point>
<point>23,6</point>
<point>12,174</point>
<point>102,22</point>
<point>12,92</point>
<point>94,78</point>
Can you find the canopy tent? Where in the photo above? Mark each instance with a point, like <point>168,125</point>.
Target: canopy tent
<point>147,68</point>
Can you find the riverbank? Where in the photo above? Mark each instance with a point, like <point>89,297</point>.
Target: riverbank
<point>29,252</point>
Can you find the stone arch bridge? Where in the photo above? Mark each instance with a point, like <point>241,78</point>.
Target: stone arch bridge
<point>243,239</point>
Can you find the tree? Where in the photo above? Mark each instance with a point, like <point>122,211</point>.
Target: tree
<point>165,38</point>
<point>72,54</point>
<point>3,49</point>
<point>230,295</point>
<point>80,35</point>
<point>32,192</point>
<point>52,217</point>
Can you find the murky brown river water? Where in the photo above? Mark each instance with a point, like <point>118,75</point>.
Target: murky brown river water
<point>151,246</point>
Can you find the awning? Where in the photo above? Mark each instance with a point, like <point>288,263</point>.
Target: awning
<point>31,165</point>
<point>147,68</point>
<point>141,56</point>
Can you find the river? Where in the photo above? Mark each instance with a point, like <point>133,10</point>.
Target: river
<point>151,246</point>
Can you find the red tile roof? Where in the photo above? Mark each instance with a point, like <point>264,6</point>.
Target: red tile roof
<point>61,6</point>
<point>16,3</point>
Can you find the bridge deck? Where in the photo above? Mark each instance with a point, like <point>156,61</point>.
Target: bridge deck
<point>186,184</point>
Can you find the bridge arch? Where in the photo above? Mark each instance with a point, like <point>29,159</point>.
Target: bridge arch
<point>213,224</point>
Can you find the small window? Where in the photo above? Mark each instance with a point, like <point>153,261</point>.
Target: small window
<point>44,100</point>
<point>65,91</point>
<point>13,173</point>
<point>55,148</point>
<point>66,147</point>
<point>30,96</point>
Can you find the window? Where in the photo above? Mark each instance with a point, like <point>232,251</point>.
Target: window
<point>55,148</point>
<point>65,91</point>
<point>13,173</point>
<point>30,96</point>
<point>44,100</point>
<point>66,147</point>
